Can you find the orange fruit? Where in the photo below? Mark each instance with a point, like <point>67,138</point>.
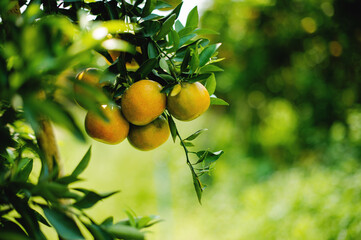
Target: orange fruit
<point>143,102</point>
<point>149,136</point>
<point>173,4</point>
<point>112,131</point>
<point>188,101</point>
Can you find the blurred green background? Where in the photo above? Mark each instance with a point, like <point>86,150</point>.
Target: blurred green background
<point>291,135</point>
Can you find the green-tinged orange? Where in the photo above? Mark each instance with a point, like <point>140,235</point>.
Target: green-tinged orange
<point>150,136</point>
<point>143,102</point>
<point>188,101</point>
<point>113,131</point>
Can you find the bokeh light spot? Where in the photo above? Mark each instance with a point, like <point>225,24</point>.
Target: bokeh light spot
<point>309,24</point>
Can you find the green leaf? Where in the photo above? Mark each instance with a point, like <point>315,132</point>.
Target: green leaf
<point>206,54</point>
<point>194,62</point>
<point>211,84</point>
<point>82,164</point>
<point>124,232</point>
<point>209,157</point>
<point>197,183</point>
<point>24,169</point>
<point>90,199</point>
<point>152,50</point>
<point>176,40</point>
<point>199,78</point>
<point>183,40</point>
<point>210,68</point>
<point>66,180</point>
<point>173,128</point>
<point>164,65</point>
<point>146,68</point>
<point>193,18</point>
<point>168,78</point>
<point>150,28</point>
<point>64,225</point>
<point>218,101</point>
<point>166,27</point>
<point>195,135</point>
<point>161,4</point>
<point>178,26</point>
<point>98,233</point>
<point>185,31</point>
<point>186,59</point>
<point>149,7</point>
<point>187,144</point>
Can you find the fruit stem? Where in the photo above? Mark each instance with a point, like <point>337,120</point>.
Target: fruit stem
<point>169,58</point>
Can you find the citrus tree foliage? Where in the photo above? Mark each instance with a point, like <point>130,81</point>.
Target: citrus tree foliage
<point>39,52</point>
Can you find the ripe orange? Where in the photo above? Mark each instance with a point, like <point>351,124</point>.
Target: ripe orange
<point>149,136</point>
<point>143,102</point>
<point>112,131</point>
<point>173,4</point>
<point>189,101</point>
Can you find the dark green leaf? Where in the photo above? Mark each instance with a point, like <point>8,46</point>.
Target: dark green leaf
<point>98,233</point>
<point>168,78</point>
<point>166,27</point>
<point>82,164</point>
<point>41,219</point>
<point>193,18</point>
<point>197,183</point>
<point>146,68</point>
<point>91,198</point>
<point>149,7</point>
<point>150,28</point>
<point>206,54</point>
<point>152,50</point>
<point>209,157</point>
<point>152,17</point>
<point>66,180</point>
<point>24,169</point>
<point>199,78</point>
<point>186,59</point>
<point>173,128</point>
<point>64,225</point>
<point>195,135</point>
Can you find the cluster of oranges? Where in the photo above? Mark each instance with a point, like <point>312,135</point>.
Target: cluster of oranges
<point>140,116</point>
